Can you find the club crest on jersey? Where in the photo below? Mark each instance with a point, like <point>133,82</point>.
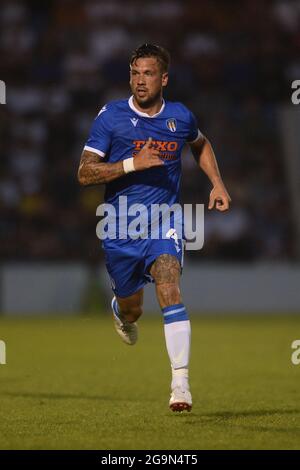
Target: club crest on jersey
<point>171,124</point>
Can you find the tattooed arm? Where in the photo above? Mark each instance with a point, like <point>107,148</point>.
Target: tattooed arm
<point>93,171</point>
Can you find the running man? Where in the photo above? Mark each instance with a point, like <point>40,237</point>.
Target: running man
<point>134,148</point>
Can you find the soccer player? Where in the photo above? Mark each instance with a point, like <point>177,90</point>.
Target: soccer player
<point>135,148</point>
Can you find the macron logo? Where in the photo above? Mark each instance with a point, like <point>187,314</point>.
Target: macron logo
<point>134,121</point>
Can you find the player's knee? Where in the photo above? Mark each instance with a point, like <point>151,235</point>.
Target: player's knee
<point>131,314</point>
<point>168,294</point>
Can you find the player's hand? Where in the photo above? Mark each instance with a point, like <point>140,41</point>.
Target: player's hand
<point>219,198</point>
<point>147,157</point>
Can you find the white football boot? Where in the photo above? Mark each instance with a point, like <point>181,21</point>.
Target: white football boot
<point>181,399</point>
<point>128,331</point>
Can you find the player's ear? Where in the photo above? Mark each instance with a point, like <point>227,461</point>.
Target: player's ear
<point>165,78</point>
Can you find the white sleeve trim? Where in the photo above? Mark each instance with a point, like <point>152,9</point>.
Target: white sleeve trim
<point>198,137</point>
<point>91,149</point>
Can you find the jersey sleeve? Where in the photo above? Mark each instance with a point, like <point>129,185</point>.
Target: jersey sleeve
<point>194,132</point>
<point>100,137</point>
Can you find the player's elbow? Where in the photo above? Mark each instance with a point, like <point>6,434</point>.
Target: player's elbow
<point>81,177</point>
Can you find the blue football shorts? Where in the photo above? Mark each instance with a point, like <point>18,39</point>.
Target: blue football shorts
<point>128,261</point>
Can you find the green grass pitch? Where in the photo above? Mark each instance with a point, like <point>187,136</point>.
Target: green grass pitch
<point>70,383</point>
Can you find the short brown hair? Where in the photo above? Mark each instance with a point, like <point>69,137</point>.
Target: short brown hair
<point>151,50</point>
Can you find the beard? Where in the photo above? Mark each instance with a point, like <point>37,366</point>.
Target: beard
<point>147,101</point>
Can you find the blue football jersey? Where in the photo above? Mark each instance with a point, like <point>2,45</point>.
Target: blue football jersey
<point>120,131</point>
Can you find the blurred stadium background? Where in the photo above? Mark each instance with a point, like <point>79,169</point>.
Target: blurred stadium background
<point>62,60</point>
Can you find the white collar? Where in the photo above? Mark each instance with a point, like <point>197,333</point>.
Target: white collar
<point>140,113</point>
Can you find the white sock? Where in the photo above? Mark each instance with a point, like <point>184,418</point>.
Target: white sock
<point>180,378</point>
<point>178,338</point>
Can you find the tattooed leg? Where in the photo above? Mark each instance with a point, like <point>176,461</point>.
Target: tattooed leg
<point>177,328</point>
<point>166,274</point>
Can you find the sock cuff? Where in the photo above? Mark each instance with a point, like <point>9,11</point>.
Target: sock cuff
<point>174,313</point>
<point>172,307</point>
<point>115,306</point>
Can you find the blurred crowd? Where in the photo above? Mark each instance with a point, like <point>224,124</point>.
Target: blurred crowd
<point>62,60</point>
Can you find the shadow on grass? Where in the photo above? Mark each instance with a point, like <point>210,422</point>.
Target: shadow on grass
<point>228,415</point>
<point>227,418</point>
<point>252,413</point>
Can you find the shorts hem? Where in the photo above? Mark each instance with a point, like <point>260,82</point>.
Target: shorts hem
<point>131,292</point>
